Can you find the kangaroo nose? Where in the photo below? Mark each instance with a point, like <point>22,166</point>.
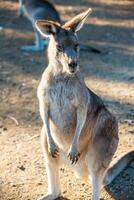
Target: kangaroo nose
<point>73,64</point>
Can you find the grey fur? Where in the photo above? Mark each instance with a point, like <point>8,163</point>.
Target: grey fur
<point>78,130</point>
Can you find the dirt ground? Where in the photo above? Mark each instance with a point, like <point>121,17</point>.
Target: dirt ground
<point>110,74</point>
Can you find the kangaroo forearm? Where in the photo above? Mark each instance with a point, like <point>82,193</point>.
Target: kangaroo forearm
<point>47,130</point>
<point>44,112</point>
<point>46,126</point>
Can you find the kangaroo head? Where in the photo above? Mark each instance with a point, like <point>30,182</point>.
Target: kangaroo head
<point>64,44</point>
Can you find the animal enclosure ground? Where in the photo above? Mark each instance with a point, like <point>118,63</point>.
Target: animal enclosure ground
<point>110,74</point>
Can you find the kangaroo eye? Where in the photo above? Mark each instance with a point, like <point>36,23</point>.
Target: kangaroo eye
<point>59,48</point>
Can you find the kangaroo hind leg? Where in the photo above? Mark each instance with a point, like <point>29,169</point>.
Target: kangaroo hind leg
<point>52,169</point>
<point>40,43</point>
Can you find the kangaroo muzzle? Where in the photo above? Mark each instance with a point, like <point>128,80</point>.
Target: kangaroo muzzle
<point>72,66</point>
<point>72,60</point>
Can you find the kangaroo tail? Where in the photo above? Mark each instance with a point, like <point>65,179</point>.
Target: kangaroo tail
<point>117,166</point>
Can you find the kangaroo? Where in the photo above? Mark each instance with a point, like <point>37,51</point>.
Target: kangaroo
<point>34,10</point>
<point>78,130</point>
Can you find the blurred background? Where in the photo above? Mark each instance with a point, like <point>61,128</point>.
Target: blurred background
<point>110,74</point>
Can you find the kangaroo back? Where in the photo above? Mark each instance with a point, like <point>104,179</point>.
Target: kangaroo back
<point>39,9</point>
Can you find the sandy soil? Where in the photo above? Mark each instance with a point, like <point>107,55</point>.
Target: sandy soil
<point>110,74</point>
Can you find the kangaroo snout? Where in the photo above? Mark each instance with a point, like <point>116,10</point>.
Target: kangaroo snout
<point>72,66</point>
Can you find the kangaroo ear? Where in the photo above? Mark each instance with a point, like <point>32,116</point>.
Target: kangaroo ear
<point>47,28</point>
<point>77,22</point>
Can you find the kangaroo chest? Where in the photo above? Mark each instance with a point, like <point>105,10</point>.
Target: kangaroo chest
<point>62,100</point>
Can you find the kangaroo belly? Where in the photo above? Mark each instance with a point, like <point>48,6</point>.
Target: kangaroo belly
<point>80,168</point>
<point>62,124</point>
